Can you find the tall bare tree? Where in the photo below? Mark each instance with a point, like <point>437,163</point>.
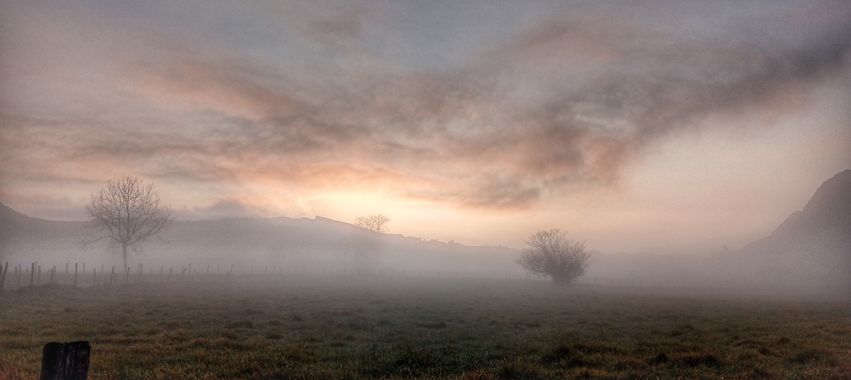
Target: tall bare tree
<point>374,223</point>
<point>551,253</point>
<point>128,211</point>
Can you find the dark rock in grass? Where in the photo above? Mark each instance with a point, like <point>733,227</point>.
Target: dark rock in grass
<point>661,358</point>
<point>240,325</point>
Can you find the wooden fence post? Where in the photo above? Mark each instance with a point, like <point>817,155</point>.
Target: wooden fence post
<point>65,361</point>
<point>32,273</point>
<point>112,275</point>
<point>75,275</point>
<point>3,275</point>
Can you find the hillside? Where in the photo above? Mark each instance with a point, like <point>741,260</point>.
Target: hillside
<point>813,244</point>
<point>293,244</point>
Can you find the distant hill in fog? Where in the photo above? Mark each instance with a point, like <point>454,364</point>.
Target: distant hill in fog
<point>822,227</point>
<point>289,244</point>
<point>809,254</point>
<point>813,243</point>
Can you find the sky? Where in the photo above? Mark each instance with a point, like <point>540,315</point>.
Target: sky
<point>659,126</point>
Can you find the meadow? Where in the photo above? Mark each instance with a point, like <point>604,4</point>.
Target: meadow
<point>346,327</point>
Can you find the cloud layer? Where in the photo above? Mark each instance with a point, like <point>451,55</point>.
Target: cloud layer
<point>563,101</point>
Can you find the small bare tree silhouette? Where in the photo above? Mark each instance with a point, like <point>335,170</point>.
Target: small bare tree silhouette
<point>127,211</point>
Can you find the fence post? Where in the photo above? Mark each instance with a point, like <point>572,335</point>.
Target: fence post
<point>32,273</point>
<point>75,275</point>
<point>3,278</point>
<point>65,361</point>
<point>112,275</point>
<point>3,275</point>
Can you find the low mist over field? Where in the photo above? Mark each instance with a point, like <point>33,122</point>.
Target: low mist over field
<point>426,189</point>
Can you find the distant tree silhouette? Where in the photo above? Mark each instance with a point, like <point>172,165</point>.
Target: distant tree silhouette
<point>374,223</point>
<point>551,253</point>
<point>364,245</point>
<point>128,211</point>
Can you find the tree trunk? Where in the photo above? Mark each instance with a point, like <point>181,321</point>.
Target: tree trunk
<point>124,253</point>
<point>560,279</point>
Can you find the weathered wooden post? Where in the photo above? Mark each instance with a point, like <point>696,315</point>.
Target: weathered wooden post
<point>65,361</point>
<point>3,275</point>
<point>52,273</point>
<point>38,276</point>
<point>94,276</point>
<point>32,273</point>
<point>139,275</point>
<point>112,275</point>
<point>75,275</point>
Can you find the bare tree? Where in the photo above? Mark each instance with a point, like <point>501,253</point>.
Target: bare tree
<point>551,253</point>
<point>128,211</point>
<point>374,223</point>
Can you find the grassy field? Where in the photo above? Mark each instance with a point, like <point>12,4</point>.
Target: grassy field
<point>330,328</point>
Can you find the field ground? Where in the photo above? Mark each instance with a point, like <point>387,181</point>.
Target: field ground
<point>328,328</point>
